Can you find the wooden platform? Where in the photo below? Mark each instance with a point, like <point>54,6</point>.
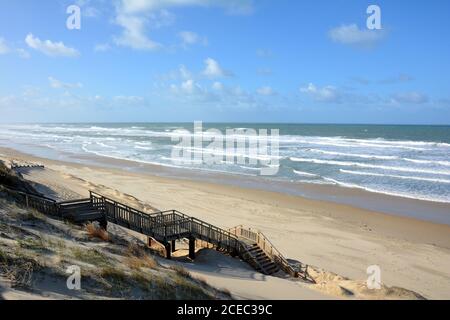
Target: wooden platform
<point>168,226</point>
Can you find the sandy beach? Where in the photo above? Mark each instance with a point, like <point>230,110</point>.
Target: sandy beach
<point>338,241</point>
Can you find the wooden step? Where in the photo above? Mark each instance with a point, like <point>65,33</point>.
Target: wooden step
<point>273,269</point>
<point>264,262</point>
<point>255,249</point>
<point>260,255</point>
<point>267,264</point>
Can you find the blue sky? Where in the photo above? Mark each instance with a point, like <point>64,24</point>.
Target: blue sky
<point>225,61</point>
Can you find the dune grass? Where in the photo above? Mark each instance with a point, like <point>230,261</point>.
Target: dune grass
<point>90,256</point>
<point>97,232</point>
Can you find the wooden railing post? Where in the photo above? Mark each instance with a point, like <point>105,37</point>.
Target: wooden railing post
<point>168,250</point>
<point>192,248</point>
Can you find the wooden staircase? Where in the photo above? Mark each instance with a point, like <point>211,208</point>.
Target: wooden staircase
<point>168,226</point>
<point>265,264</point>
<point>81,210</point>
<point>269,259</point>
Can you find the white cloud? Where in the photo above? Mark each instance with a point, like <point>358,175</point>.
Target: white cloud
<point>231,6</point>
<point>36,107</point>
<point>136,17</point>
<point>57,84</point>
<point>47,47</point>
<point>410,97</point>
<point>133,34</point>
<point>324,94</point>
<point>191,38</point>
<point>188,87</point>
<point>266,91</point>
<point>352,35</point>
<point>216,95</point>
<point>214,70</point>
<point>331,94</point>
<point>217,86</point>
<point>184,72</point>
<point>135,28</point>
<point>4,49</point>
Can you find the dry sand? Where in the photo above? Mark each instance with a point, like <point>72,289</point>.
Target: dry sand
<point>339,241</point>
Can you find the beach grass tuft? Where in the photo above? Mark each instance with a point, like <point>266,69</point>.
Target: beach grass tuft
<point>137,263</point>
<point>95,231</point>
<point>182,272</point>
<point>90,256</point>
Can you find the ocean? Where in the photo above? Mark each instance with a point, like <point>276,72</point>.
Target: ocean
<point>399,160</point>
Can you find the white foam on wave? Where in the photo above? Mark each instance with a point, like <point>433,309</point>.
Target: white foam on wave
<point>250,168</point>
<point>139,143</point>
<point>143,148</point>
<point>361,173</point>
<point>305,174</point>
<point>366,165</point>
<point>219,152</point>
<point>105,145</point>
<point>163,164</point>
<point>347,144</point>
<point>364,156</point>
<point>432,162</point>
<point>386,192</point>
<point>380,141</point>
<point>183,160</point>
<point>337,141</point>
<point>396,142</point>
<point>103,140</point>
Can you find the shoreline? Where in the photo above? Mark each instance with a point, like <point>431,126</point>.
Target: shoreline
<point>424,210</point>
<point>338,238</point>
<point>119,166</point>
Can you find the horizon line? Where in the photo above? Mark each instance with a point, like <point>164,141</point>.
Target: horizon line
<point>233,122</point>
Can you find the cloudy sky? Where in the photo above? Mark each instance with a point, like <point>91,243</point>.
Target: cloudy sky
<point>225,61</point>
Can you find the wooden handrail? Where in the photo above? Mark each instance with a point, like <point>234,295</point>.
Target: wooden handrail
<point>152,214</point>
<point>69,202</point>
<point>38,202</point>
<point>35,195</point>
<point>194,225</point>
<point>141,221</point>
<point>266,245</point>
